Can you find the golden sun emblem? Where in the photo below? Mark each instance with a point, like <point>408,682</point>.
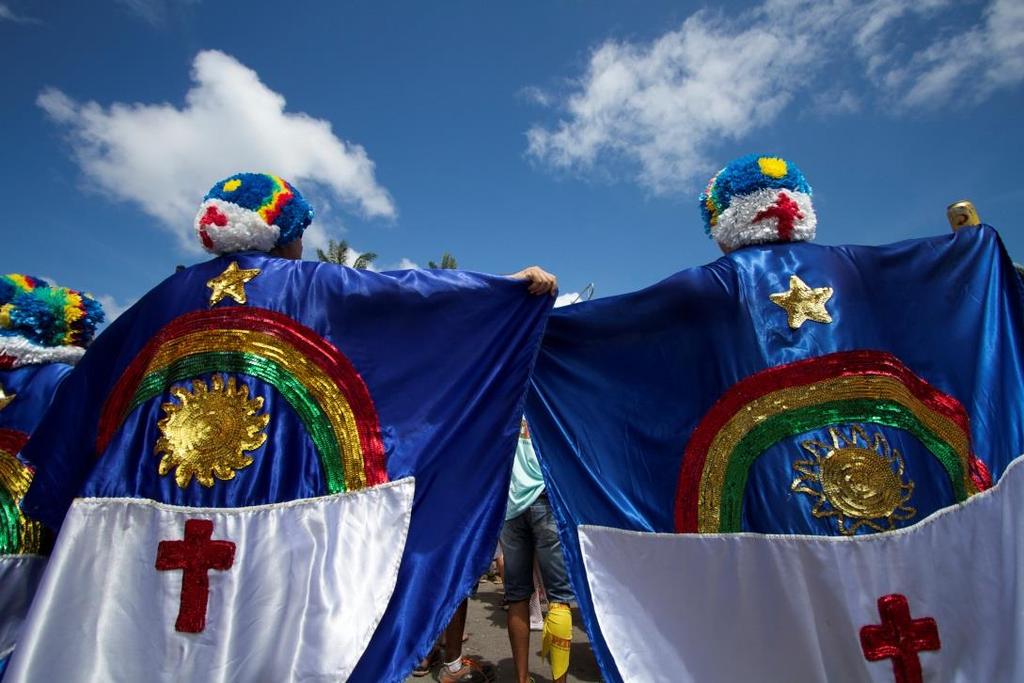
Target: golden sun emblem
<point>209,431</point>
<point>858,480</point>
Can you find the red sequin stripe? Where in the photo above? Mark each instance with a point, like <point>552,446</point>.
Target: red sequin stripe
<point>316,348</point>
<point>800,373</point>
<point>7,362</point>
<point>12,441</point>
<point>978,471</point>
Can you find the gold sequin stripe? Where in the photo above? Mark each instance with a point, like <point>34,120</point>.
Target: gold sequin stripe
<point>802,420</point>
<point>17,533</point>
<point>827,391</point>
<point>333,403</point>
<point>31,536</point>
<point>237,363</point>
<point>15,476</point>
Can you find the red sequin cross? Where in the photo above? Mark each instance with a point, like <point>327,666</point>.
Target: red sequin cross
<point>899,638</point>
<point>786,210</point>
<point>195,556</point>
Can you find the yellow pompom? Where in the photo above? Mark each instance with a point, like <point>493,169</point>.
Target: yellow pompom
<point>232,185</point>
<point>773,167</point>
<point>73,312</point>
<point>713,210</point>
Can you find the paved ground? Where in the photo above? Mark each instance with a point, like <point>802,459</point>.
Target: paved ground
<point>488,640</point>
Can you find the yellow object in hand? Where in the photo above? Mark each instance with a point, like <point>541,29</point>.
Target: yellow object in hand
<point>557,638</point>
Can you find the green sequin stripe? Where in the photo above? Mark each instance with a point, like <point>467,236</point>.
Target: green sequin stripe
<point>10,529</point>
<point>802,420</point>
<point>317,424</point>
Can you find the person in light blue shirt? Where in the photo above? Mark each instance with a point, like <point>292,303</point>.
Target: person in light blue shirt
<point>527,481</point>
<point>529,532</point>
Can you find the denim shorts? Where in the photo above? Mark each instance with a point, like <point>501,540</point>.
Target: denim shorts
<point>534,533</point>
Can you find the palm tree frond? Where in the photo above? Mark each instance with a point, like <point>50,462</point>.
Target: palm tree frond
<point>337,252</point>
<point>364,260</point>
<point>447,263</point>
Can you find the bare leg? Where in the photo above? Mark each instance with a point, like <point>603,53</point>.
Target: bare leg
<point>519,638</point>
<point>453,634</point>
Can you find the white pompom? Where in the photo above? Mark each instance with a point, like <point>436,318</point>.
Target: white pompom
<point>738,225</point>
<point>26,352</point>
<point>245,230</point>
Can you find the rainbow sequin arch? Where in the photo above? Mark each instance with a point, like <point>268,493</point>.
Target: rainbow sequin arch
<point>787,400</point>
<point>18,534</point>
<point>316,379</point>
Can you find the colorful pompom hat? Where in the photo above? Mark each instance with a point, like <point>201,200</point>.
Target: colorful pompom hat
<point>251,211</point>
<point>41,323</point>
<point>758,199</point>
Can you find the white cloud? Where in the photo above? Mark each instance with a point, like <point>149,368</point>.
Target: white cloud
<point>353,255</point>
<point>7,14</point>
<point>112,308</point>
<point>662,107</point>
<point>836,101</point>
<point>965,68</point>
<point>659,105</point>
<point>535,95</point>
<point>873,32</point>
<point>164,158</point>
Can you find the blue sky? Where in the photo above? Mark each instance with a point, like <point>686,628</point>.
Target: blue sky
<point>575,135</point>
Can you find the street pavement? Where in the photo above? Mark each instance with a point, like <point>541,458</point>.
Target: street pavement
<point>488,640</point>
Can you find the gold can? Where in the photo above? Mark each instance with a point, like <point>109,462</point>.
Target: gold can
<point>962,214</point>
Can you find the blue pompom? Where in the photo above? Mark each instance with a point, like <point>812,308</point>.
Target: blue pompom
<point>35,318</point>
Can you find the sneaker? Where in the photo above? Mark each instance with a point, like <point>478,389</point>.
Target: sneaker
<point>472,671</point>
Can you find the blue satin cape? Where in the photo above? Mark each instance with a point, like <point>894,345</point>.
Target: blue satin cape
<point>621,383</point>
<point>446,357</point>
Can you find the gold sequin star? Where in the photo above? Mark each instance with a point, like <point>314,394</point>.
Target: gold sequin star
<point>803,303</point>
<point>5,398</point>
<point>231,283</point>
